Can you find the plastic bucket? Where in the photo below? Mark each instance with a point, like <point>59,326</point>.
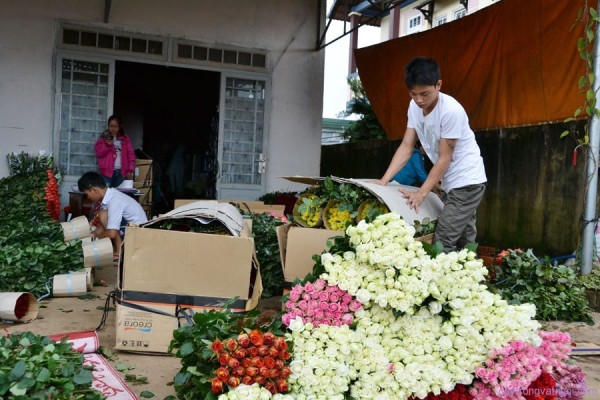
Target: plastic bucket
<point>18,306</point>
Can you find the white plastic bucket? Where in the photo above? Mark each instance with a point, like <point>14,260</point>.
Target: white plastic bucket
<point>18,306</point>
<point>71,284</point>
<point>77,228</point>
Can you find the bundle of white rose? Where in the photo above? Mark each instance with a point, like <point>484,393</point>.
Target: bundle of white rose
<point>427,323</point>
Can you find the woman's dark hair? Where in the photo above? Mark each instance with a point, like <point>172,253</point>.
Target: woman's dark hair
<point>89,180</point>
<point>117,119</point>
<point>422,71</point>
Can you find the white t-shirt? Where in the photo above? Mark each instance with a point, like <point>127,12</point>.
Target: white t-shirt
<point>449,120</point>
<point>120,206</point>
<point>117,144</point>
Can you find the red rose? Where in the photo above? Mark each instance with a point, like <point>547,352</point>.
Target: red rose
<point>217,346</point>
<point>252,351</point>
<point>239,353</point>
<point>239,371</point>
<point>280,344</point>
<point>217,386</point>
<point>247,380</point>
<point>282,385</point>
<point>268,338</point>
<point>243,339</point>
<point>269,362</point>
<point>284,355</point>
<point>263,351</point>
<point>257,362</point>
<point>264,371</point>
<point>285,372</point>
<point>222,374</point>
<point>256,337</point>
<point>246,362</point>
<point>271,387</point>
<point>273,373</point>
<point>273,352</point>
<point>251,371</point>
<point>231,344</point>
<point>224,358</point>
<point>260,379</point>
<point>233,381</point>
<point>233,363</point>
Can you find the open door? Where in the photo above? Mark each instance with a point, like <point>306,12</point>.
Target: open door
<point>242,160</point>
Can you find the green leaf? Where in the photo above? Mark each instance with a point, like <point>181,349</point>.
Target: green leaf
<point>43,375</point>
<point>187,348</point>
<point>146,394</point>
<point>18,371</point>
<point>83,377</point>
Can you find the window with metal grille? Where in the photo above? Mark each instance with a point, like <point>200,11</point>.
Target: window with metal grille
<point>460,13</point>
<point>189,52</point>
<point>121,42</point>
<point>243,131</point>
<point>84,103</point>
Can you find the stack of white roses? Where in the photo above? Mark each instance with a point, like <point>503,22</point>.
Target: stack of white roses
<point>426,323</point>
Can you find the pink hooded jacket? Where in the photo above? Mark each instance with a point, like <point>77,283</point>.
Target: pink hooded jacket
<point>107,154</point>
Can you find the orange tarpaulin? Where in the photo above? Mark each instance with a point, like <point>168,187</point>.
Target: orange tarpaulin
<point>511,64</point>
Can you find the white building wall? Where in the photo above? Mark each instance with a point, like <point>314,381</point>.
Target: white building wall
<point>286,29</point>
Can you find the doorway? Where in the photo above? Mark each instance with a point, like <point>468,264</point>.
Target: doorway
<point>171,115</point>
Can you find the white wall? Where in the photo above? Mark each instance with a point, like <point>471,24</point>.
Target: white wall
<point>285,28</point>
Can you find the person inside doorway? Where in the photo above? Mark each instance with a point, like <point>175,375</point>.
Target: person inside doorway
<point>114,151</point>
<point>116,209</point>
<point>441,124</point>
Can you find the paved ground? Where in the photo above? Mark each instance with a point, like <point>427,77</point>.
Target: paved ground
<point>73,314</point>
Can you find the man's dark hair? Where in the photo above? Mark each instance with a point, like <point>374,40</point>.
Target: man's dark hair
<point>89,180</point>
<point>422,71</point>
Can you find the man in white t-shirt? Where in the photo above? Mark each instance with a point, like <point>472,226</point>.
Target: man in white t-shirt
<point>442,126</point>
<point>118,209</point>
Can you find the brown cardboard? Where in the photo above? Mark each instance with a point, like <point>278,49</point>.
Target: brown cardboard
<point>143,170</point>
<point>257,207</point>
<point>297,245</point>
<point>145,198</point>
<point>145,331</point>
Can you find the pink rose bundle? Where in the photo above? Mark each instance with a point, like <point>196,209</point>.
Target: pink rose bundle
<point>319,303</point>
<point>512,372</point>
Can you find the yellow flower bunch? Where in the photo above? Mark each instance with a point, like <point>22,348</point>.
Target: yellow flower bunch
<point>371,208</point>
<point>337,219</point>
<point>308,211</point>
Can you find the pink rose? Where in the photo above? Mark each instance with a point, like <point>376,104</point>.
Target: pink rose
<point>344,307</point>
<point>306,296</point>
<point>332,289</point>
<point>309,287</point>
<point>354,305</point>
<point>324,296</point>
<point>336,322</point>
<point>313,304</point>
<point>303,304</point>
<point>346,298</point>
<point>324,305</point>
<point>318,313</point>
<point>295,294</point>
<point>285,318</point>
<point>319,285</point>
<point>347,319</point>
<point>315,295</point>
<point>334,298</point>
<point>333,307</point>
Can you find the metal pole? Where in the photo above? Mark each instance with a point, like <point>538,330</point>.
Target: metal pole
<point>589,216</point>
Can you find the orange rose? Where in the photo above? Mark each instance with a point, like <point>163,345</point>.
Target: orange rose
<point>260,379</point>
<point>273,373</point>
<point>224,358</point>
<point>284,355</point>
<point>251,371</point>
<point>246,362</point>
<point>257,362</point>
<point>273,352</point>
<point>217,346</point>
<point>231,344</point>
<point>243,340</point>
<point>268,338</point>
<point>222,374</point>
<point>252,351</point>
<point>270,386</point>
<point>279,363</point>
<point>239,353</point>
<point>280,344</point>
<point>247,380</point>
<point>233,381</point>
<point>256,337</point>
<point>233,363</point>
<point>217,386</point>
<point>263,351</point>
<point>238,371</point>
<point>282,385</point>
<point>285,372</point>
<point>269,362</point>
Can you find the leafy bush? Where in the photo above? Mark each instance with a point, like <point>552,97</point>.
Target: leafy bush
<point>521,277</point>
<point>267,253</point>
<point>591,281</point>
<point>34,367</point>
<point>367,127</point>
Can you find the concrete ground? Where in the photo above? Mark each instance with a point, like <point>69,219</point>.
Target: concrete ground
<point>73,314</point>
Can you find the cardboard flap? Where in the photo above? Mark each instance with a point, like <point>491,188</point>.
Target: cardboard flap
<point>206,211</point>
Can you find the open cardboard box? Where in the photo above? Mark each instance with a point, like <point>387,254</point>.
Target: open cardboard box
<point>297,244</point>
<point>257,207</point>
<point>162,271</point>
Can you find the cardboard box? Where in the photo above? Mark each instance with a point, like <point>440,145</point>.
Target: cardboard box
<point>145,198</point>
<point>297,245</point>
<point>143,169</point>
<point>257,207</point>
<point>162,271</point>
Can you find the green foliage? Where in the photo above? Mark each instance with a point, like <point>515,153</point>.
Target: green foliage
<point>555,290</point>
<point>192,344</point>
<point>34,367</point>
<point>367,127</point>
<point>32,247</point>
<point>267,252</point>
<point>591,281</point>
<point>424,227</point>
<point>271,197</point>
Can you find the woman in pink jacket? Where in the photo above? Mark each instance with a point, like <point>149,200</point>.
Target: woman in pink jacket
<point>116,159</point>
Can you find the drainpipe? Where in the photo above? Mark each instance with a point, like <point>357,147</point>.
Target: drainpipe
<point>589,216</point>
